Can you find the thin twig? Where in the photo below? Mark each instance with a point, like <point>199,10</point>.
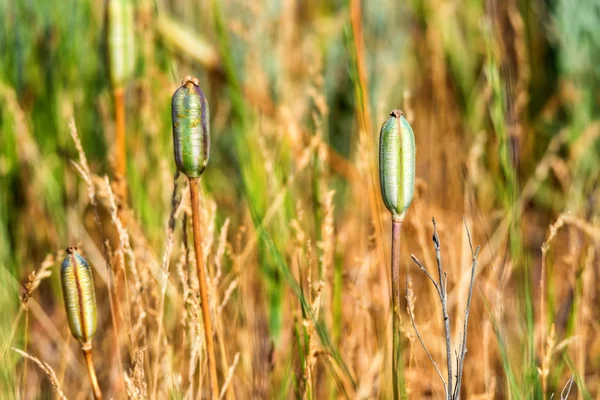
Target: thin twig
<point>463,346</point>
<point>451,392</point>
<point>437,287</point>
<point>567,388</point>
<point>443,281</point>
<point>412,320</point>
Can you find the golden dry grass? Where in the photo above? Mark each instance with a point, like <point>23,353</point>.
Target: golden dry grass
<point>295,236</point>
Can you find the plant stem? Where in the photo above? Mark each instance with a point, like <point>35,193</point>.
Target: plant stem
<point>120,159</point>
<point>24,383</point>
<point>444,300</point>
<point>396,362</point>
<point>87,352</point>
<point>208,331</point>
<point>463,347</point>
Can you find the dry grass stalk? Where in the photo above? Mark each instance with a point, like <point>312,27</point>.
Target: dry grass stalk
<point>175,210</point>
<point>84,170</point>
<point>33,282</point>
<point>229,376</point>
<point>47,370</point>
<point>135,380</point>
<point>364,120</point>
<point>410,306</point>
<point>546,351</point>
<point>550,344</point>
<point>369,384</point>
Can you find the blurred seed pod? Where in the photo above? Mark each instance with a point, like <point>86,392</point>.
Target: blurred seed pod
<point>79,295</point>
<point>397,164</point>
<point>121,42</point>
<point>191,136</point>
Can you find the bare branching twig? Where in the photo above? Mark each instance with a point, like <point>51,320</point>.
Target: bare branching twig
<point>451,392</point>
<point>410,302</point>
<point>437,287</point>
<point>463,346</point>
<point>567,389</point>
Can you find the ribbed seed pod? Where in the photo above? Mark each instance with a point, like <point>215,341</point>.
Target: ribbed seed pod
<point>121,42</point>
<point>397,164</point>
<point>191,136</point>
<point>78,292</point>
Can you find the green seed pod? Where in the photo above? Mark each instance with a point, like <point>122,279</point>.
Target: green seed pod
<point>397,164</point>
<point>191,136</point>
<point>80,299</point>
<point>121,42</point>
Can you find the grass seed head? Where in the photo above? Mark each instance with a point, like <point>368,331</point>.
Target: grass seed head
<point>397,164</point>
<point>80,298</point>
<point>191,136</point>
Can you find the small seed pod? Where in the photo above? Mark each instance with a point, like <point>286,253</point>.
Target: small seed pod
<point>121,42</point>
<point>397,164</point>
<point>191,136</point>
<point>80,299</point>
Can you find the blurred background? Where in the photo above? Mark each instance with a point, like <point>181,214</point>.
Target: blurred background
<point>504,100</point>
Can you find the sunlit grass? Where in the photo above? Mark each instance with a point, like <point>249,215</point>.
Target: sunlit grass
<point>503,100</point>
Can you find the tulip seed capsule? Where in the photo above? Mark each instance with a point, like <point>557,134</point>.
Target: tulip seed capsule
<point>191,136</point>
<point>121,42</point>
<point>80,299</point>
<point>191,142</point>
<point>397,179</point>
<point>397,164</point>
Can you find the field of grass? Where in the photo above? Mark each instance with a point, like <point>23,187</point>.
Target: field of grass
<point>504,100</point>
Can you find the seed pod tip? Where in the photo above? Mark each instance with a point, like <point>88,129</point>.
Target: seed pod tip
<point>396,113</point>
<point>189,79</point>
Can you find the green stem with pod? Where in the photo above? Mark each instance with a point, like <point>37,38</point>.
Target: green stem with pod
<point>191,142</point>
<point>80,303</point>
<point>397,180</point>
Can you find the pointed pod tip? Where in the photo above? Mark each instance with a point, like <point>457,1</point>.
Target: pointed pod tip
<point>396,113</point>
<point>190,80</point>
<point>71,249</point>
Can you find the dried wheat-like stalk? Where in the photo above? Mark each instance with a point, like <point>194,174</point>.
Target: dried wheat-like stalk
<point>47,370</point>
<point>135,380</point>
<point>229,377</point>
<point>84,170</point>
